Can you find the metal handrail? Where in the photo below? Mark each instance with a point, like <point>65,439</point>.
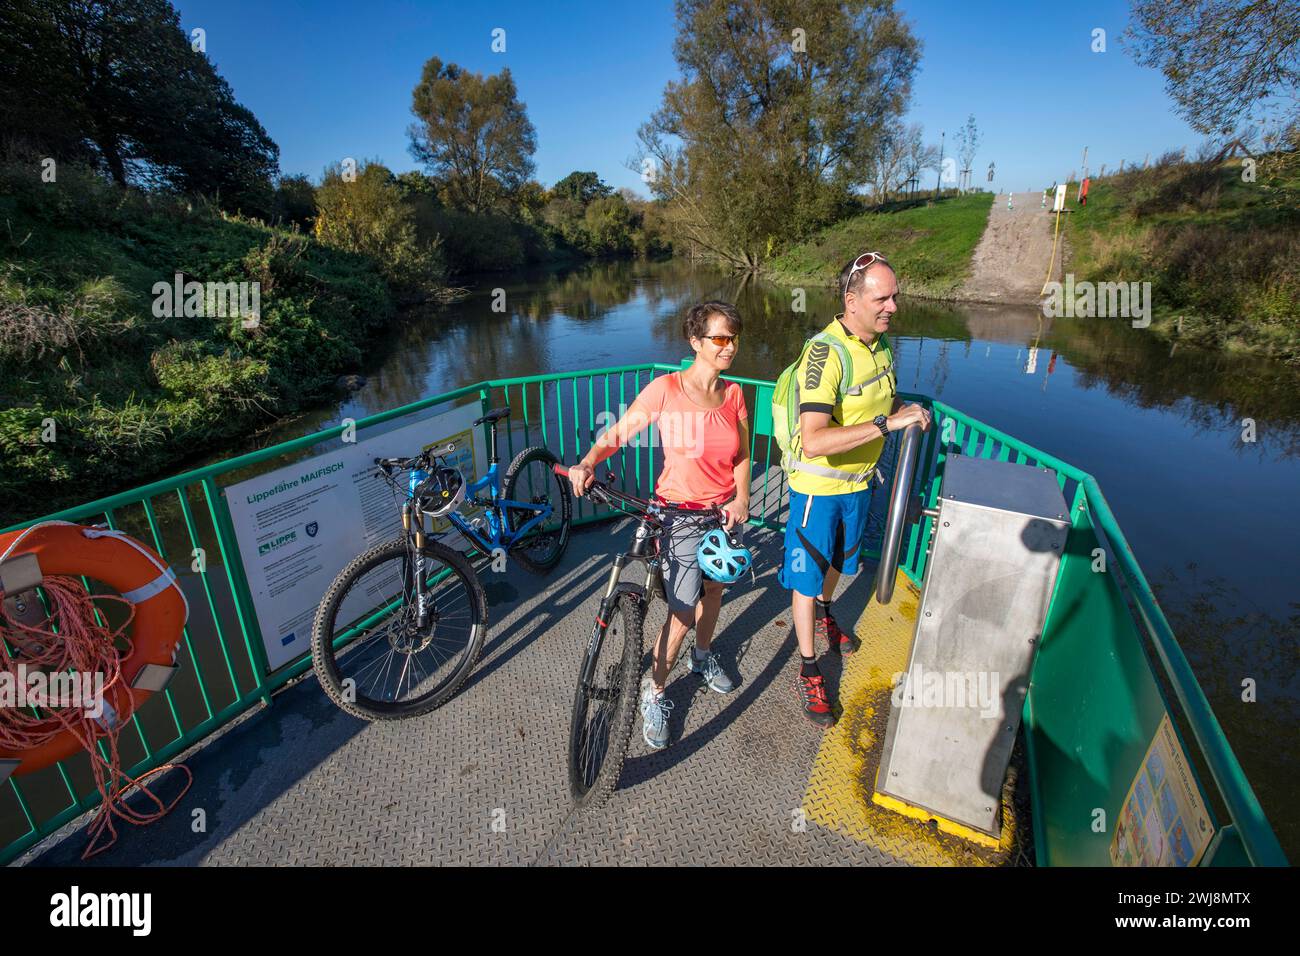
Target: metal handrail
<point>887,569</point>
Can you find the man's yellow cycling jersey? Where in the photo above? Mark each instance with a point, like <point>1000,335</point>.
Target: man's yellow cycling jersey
<point>871,393</point>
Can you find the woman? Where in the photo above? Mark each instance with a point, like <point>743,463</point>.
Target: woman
<point>704,432</point>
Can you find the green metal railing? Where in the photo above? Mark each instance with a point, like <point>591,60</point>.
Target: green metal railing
<point>224,669</point>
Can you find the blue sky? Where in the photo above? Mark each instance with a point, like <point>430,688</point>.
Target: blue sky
<point>333,79</point>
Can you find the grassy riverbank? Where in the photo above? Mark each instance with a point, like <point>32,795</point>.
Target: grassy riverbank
<point>1222,254</point>
<point>929,244</point>
<point>97,392</point>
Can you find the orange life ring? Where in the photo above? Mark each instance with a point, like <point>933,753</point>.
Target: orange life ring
<point>137,573</point>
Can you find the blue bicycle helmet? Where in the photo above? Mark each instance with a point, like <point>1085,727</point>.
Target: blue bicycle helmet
<point>723,558</point>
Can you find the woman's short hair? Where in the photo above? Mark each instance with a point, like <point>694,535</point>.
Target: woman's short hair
<point>696,323</point>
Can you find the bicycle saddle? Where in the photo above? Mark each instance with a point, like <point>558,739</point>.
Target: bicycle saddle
<point>494,416</point>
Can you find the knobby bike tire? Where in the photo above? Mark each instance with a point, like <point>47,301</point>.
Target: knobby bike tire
<point>323,651</point>
<point>517,518</point>
<point>591,785</point>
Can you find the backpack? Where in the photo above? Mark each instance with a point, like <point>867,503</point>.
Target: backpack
<point>785,394</point>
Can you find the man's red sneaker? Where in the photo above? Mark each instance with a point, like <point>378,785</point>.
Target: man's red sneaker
<point>812,695</point>
<point>829,631</point>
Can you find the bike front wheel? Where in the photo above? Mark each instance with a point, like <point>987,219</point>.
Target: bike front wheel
<point>374,657</point>
<point>605,703</point>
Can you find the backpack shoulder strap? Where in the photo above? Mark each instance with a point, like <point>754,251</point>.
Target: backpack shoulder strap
<point>846,360</point>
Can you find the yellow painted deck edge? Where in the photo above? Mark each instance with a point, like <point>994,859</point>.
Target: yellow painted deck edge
<point>944,824</point>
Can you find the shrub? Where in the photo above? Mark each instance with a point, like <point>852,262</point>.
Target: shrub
<point>476,242</point>
<point>216,380</point>
<point>369,215</point>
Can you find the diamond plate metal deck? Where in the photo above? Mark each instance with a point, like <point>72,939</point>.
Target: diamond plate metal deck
<point>483,780</point>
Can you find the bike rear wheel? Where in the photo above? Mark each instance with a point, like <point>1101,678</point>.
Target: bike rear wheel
<point>531,479</point>
<point>605,703</point>
<point>372,657</point>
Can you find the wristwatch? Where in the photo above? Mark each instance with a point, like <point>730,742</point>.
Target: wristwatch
<point>881,422</point>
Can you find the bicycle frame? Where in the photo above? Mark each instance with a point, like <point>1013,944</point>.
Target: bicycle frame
<point>499,533</point>
<point>495,512</point>
<point>644,550</point>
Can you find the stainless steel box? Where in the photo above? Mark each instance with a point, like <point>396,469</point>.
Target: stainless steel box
<point>999,537</point>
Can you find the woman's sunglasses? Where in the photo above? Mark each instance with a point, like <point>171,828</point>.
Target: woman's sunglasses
<point>722,341</point>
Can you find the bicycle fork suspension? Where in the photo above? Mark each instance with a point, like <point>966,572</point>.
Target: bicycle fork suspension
<point>608,602</point>
<point>412,522</point>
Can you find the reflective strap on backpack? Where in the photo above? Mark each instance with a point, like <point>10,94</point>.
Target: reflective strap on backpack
<point>832,473</point>
<point>857,389</point>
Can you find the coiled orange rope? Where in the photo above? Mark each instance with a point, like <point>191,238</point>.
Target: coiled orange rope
<point>73,639</point>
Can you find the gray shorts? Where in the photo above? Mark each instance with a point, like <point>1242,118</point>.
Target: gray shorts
<point>683,576</point>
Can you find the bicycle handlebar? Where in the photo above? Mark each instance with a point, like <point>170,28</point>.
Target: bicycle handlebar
<point>389,465</point>
<point>612,495</point>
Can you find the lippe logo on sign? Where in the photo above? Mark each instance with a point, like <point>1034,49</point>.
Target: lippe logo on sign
<point>312,528</point>
<point>277,543</point>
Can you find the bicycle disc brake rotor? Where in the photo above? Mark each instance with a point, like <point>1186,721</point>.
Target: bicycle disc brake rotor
<point>405,637</point>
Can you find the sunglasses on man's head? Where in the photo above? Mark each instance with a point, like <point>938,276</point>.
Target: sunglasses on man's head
<point>865,261</point>
<point>721,341</point>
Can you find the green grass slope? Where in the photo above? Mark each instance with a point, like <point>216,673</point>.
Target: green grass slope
<point>1222,253</point>
<point>929,244</point>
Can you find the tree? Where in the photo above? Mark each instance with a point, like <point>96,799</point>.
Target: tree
<point>775,118</point>
<point>901,156</point>
<point>1224,61</point>
<point>584,187</point>
<point>920,158</point>
<point>530,200</point>
<point>413,183</point>
<point>39,111</point>
<point>118,80</point>
<point>471,132</point>
<point>896,159</point>
<point>295,201</point>
<point>608,226</point>
<point>968,143</point>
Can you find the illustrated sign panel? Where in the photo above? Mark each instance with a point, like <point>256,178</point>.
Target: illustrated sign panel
<point>1163,822</point>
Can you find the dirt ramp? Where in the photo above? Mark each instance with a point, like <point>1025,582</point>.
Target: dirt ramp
<point>1010,263</point>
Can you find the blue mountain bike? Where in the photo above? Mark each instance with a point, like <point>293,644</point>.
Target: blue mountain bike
<point>401,627</point>
<point>530,519</point>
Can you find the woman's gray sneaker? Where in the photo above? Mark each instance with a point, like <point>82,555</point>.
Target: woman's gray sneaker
<point>711,668</point>
<point>654,708</point>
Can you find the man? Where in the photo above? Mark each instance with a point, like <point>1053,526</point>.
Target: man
<point>834,457</point>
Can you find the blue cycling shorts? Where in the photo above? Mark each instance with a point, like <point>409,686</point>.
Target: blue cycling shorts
<point>823,532</point>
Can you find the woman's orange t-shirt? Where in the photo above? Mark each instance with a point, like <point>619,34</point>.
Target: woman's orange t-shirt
<point>700,445</point>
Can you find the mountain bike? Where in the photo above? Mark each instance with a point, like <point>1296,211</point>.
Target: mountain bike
<point>401,627</point>
<point>609,678</point>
